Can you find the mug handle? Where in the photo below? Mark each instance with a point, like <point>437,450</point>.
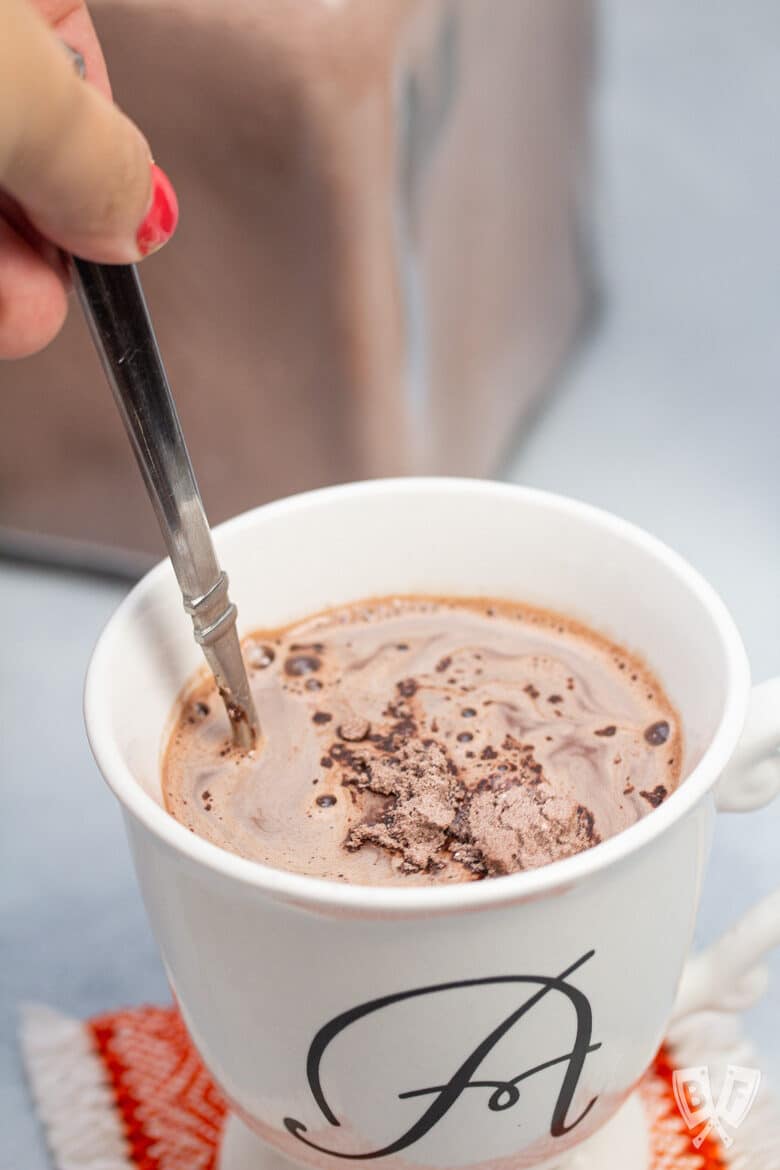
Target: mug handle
<point>752,777</point>
<point>730,976</point>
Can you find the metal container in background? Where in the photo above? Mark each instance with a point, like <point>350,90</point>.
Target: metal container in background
<point>377,269</point>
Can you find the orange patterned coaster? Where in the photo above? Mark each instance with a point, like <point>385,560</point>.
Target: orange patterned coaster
<point>127,1091</point>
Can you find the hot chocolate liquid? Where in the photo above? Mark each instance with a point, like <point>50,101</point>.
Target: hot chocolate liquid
<point>418,740</point>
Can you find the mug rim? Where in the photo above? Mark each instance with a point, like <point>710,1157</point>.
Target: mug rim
<point>327,894</point>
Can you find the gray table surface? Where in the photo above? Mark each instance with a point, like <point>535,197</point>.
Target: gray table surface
<point>670,417</point>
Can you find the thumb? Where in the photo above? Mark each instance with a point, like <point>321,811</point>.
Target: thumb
<point>79,168</point>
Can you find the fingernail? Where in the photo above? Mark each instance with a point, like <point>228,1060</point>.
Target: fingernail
<point>162,216</point>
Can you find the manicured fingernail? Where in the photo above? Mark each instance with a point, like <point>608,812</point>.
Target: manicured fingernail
<point>162,216</point>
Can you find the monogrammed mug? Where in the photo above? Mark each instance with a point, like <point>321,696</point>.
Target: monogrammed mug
<point>486,1024</point>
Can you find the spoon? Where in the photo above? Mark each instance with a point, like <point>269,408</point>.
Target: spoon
<point>121,328</point>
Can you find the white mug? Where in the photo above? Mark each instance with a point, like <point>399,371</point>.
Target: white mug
<point>485,1024</point>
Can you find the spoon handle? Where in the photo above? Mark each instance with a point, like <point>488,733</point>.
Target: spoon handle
<point>114,305</point>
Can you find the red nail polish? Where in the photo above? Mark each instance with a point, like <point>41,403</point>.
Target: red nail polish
<point>162,216</point>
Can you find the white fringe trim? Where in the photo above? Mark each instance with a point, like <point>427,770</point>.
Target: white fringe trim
<point>716,1039</point>
<point>73,1100</point>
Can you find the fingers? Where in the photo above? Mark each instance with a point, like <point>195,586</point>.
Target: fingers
<point>78,167</point>
<point>33,301</point>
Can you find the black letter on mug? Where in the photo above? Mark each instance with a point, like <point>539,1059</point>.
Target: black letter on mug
<point>505,1093</point>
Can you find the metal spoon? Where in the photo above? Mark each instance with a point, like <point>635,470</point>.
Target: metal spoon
<point>114,305</point>
<point>121,328</point>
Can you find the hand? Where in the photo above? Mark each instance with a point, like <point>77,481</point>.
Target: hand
<point>75,173</point>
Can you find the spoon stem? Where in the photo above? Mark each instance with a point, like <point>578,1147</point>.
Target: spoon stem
<point>114,305</point>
